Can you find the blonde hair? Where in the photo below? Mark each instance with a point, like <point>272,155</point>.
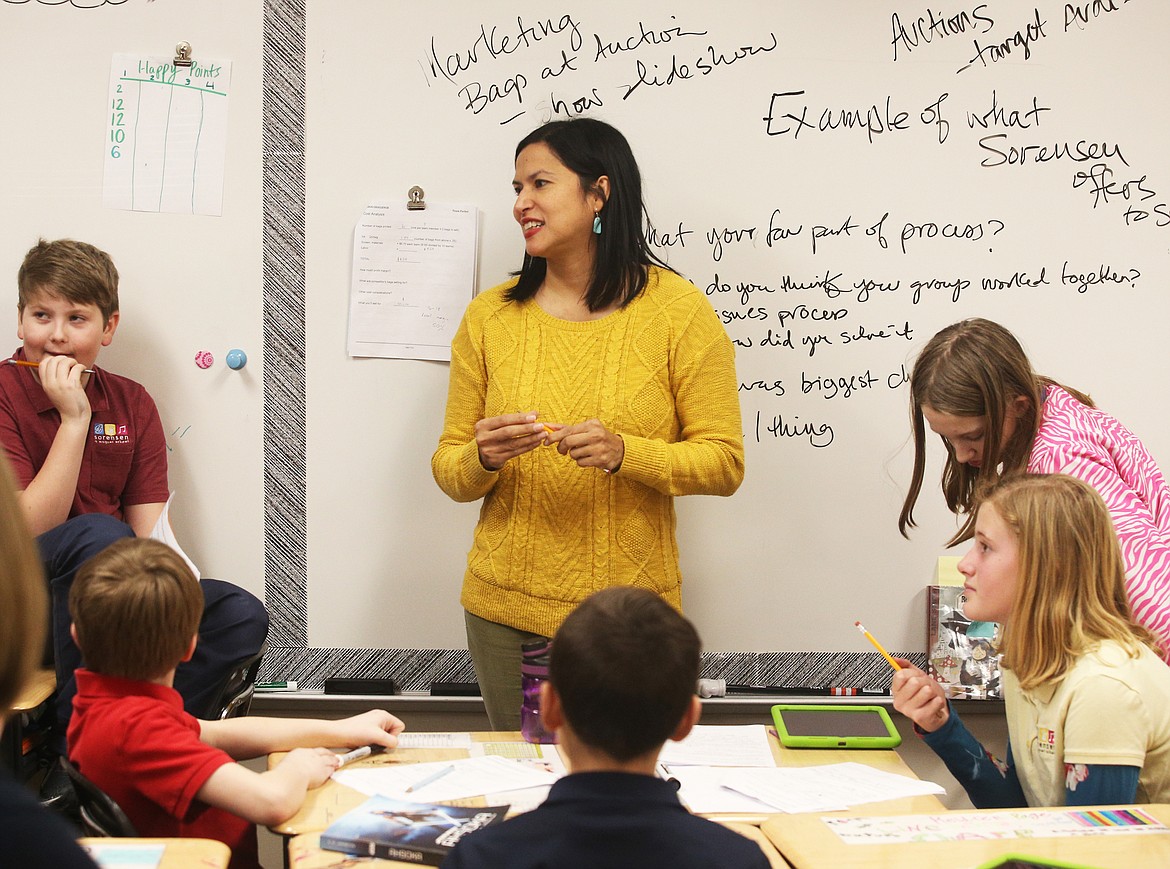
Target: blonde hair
<point>974,368</point>
<point>1070,593</point>
<point>23,599</point>
<point>75,271</point>
<point>136,606</point>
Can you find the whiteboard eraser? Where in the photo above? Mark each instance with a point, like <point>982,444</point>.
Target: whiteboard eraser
<point>359,685</point>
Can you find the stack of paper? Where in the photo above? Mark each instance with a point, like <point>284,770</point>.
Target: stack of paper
<point>732,769</point>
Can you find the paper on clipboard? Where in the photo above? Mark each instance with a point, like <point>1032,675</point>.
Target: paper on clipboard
<point>413,275</point>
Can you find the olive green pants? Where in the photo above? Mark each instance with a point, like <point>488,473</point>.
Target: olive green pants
<point>495,652</point>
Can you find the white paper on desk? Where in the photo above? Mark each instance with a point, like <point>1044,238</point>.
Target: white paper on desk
<point>410,739</point>
<point>166,142</point>
<point>721,745</point>
<point>701,790</point>
<point>472,777</point>
<point>824,788</point>
<point>413,275</point>
<point>535,755</point>
<point>164,533</point>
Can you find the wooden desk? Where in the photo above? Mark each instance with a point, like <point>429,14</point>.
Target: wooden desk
<point>178,854</point>
<point>305,852</point>
<point>329,802</point>
<point>36,692</point>
<point>326,804</point>
<point>39,688</point>
<point>807,843</point>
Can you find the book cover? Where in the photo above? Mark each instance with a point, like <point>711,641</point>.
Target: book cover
<point>411,832</point>
<point>961,653</point>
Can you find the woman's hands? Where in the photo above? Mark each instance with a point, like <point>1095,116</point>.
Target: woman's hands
<point>590,444</point>
<point>919,697</point>
<point>501,438</point>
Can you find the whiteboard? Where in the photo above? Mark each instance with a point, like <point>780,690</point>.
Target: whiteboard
<point>307,476</point>
<point>888,178</point>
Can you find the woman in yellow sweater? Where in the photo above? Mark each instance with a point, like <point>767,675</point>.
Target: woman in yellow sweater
<point>584,395</point>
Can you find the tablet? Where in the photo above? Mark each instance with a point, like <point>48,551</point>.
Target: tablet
<point>802,726</point>
<point>1019,861</point>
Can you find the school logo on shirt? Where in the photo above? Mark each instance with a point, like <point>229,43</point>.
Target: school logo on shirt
<point>110,433</point>
<point>1046,741</point>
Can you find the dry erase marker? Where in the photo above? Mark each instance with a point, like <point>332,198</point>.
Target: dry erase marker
<point>877,645</point>
<point>433,777</point>
<point>356,754</point>
<point>276,686</point>
<point>661,770</point>
<point>28,364</point>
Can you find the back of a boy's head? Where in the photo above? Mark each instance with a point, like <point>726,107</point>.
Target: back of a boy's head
<point>135,606</point>
<point>625,665</point>
<point>73,270</point>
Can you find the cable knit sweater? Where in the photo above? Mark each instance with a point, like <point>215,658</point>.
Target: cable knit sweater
<point>659,372</point>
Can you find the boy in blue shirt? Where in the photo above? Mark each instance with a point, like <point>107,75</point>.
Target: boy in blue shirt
<point>622,677</point>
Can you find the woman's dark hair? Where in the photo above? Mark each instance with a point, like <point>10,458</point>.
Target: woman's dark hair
<point>591,148</point>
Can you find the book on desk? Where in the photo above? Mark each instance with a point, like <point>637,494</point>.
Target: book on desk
<point>407,831</point>
<point>961,654</point>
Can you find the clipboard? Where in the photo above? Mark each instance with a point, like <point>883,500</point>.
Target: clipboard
<point>809,726</point>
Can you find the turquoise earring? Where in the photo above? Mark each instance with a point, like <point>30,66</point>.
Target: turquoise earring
<point>597,223</point>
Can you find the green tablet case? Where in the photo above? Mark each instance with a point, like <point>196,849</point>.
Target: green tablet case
<point>836,731</point>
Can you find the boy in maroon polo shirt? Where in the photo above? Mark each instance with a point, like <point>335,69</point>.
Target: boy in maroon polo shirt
<point>90,459</point>
<point>136,607</point>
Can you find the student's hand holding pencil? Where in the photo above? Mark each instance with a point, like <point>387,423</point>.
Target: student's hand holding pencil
<point>919,697</point>
<point>313,766</point>
<point>61,378</point>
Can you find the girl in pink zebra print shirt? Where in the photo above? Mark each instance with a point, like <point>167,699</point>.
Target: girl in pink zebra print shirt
<point>973,385</point>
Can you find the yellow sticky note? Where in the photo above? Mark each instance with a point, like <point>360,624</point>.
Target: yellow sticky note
<point>947,571</point>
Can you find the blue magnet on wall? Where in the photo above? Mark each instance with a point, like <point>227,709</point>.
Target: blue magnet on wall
<point>236,359</point>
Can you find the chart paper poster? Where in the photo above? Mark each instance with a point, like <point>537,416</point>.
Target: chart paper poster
<point>166,136</point>
<point>413,275</point>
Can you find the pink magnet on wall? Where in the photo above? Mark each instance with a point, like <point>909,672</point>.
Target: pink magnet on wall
<point>204,359</point>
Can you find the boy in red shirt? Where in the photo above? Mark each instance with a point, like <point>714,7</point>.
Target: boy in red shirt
<point>136,608</point>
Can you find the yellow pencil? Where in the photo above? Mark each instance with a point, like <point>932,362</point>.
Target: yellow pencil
<point>878,646</point>
<point>28,364</point>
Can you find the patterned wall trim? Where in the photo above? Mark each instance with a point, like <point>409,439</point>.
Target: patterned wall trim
<point>285,525</point>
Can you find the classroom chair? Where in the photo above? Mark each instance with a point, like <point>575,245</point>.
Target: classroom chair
<point>235,697</point>
<point>100,815</point>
